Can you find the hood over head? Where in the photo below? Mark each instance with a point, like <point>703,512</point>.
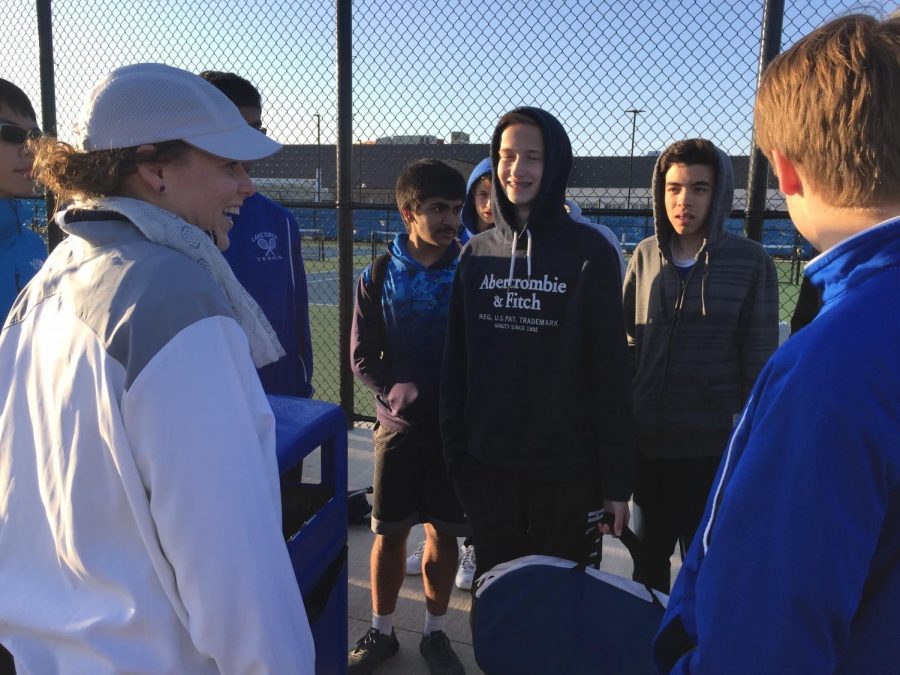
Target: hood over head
<point>720,206</point>
<point>575,213</point>
<point>468,215</point>
<point>548,207</point>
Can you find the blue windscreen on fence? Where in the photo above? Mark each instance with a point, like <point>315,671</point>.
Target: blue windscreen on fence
<point>779,236</point>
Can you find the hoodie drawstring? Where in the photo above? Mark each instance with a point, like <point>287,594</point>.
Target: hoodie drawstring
<point>528,252</point>
<point>512,254</point>
<point>703,282</point>
<point>661,290</point>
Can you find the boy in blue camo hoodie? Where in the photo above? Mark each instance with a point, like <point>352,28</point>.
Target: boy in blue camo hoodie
<point>396,342</point>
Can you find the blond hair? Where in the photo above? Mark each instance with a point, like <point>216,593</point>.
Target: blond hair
<point>830,105</point>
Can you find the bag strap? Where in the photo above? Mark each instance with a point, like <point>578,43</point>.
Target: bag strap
<point>635,549</point>
<point>628,538</point>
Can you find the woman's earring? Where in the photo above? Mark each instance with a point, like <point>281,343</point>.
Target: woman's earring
<point>162,188</point>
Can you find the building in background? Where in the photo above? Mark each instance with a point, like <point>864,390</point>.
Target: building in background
<point>595,183</point>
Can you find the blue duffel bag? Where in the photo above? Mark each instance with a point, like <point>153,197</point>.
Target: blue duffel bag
<point>544,615</point>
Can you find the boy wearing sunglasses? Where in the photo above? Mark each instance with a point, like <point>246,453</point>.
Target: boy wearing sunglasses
<point>21,251</point>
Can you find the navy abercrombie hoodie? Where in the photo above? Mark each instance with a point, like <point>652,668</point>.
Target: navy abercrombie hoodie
<point>535,374</point>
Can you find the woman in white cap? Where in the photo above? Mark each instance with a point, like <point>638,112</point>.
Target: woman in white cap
<point>140,521</point>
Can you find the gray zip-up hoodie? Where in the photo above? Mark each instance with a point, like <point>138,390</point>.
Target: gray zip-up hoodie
<point>697,345</point>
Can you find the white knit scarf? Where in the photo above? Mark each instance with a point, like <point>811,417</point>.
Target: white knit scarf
<point>166,229</point>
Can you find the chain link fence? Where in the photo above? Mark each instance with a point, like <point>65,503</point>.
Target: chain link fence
<point>625,77</point>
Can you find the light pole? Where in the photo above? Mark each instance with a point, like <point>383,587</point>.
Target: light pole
<point>634,112</point>
<point>318,171</point>
<point>361,184</point>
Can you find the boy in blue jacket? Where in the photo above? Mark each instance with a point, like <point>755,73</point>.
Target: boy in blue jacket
<point>21,251</point>
<point>796,565</point>
<point>399,326</point>
<point>477,214</point>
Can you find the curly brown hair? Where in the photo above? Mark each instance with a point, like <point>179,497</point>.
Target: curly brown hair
<point>69,173</point>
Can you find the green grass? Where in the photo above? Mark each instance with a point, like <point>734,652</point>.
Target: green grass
<point>788,289</point>
<point>323,321</point>
<point>324,328</point>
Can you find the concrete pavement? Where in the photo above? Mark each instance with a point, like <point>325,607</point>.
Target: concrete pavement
<point>410,613</point>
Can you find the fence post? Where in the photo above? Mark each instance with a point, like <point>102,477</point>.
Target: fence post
<point>48,100</point>
<point>344,20</point>
<point>769,46</point>
<point>797,259</point>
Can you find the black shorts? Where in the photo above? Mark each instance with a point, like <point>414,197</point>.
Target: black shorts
<point>411,483</point>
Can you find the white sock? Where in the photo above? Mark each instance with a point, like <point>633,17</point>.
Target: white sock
<point>433,623</point>
<point>383,624</point>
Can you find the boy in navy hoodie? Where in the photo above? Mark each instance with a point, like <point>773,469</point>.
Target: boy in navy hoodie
<point>796,565</point>
<point>396,342</point>
<point>535,391</point>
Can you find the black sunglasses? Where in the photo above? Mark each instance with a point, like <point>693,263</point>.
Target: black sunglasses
<point>16,134</point>
<point>259,127</point>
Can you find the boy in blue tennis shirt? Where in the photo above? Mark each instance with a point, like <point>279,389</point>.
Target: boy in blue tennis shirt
<point>796,565</point>
<point>266,257</point>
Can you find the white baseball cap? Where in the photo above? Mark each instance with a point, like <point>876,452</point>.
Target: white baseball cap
<point>152,103</point>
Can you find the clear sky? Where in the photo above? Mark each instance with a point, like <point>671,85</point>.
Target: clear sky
<point>436,66</point>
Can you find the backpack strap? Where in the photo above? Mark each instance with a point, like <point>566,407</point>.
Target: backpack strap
<point>379,274</point>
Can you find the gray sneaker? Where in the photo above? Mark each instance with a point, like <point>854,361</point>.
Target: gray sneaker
<point>373,648</point>
<point>465,573</point>
<point>439,655</point>
<point>414,561</point>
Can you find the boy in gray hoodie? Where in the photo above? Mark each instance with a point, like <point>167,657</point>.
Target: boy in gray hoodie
<point>701,314</point>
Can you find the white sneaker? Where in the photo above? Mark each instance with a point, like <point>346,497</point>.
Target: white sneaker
<point>465,573</point>
<point>414,561</point>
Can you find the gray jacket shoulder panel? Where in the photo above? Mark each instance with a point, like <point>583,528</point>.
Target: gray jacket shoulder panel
<point>133,294</point>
